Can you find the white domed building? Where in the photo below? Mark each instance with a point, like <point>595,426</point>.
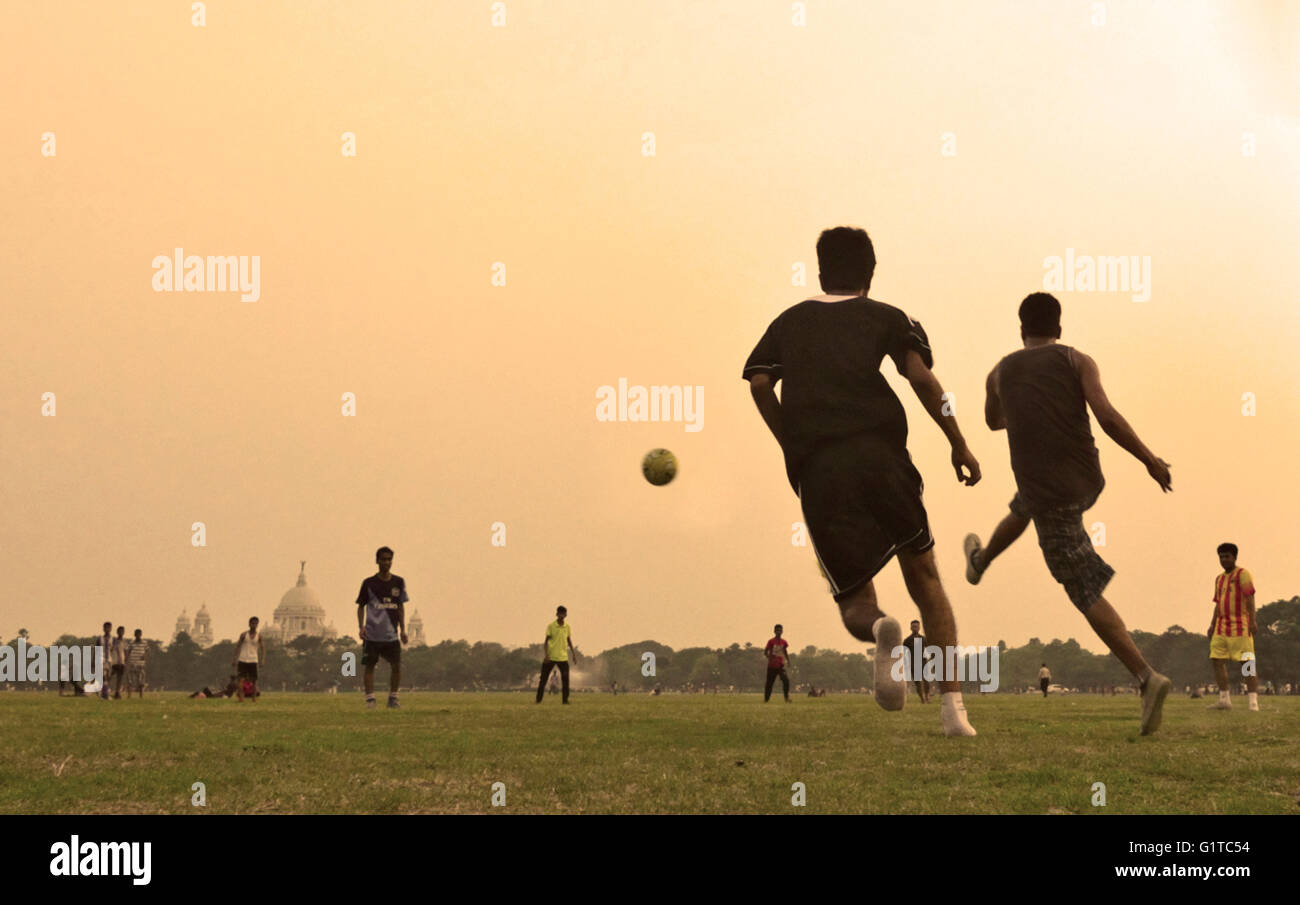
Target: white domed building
<point>300,613</point>
<point>182,625</point>
<point>202,633</point>
<point>415,630</point>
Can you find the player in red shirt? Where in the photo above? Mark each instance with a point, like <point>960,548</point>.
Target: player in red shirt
<point>777,655</point>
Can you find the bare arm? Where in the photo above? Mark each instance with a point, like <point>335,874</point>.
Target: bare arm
<point>1113,423</point>
<point>994,417</point>
<point>763,389</point>
<point>361,621</point>
<point>1250,612</point>
<point>930,392</point>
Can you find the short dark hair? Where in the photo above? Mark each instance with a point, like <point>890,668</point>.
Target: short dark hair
<point>253,619</point>
<point>778,627</point>
<point>1227,548</point>
<point>108,625</point>
<point>846,258</point>
<point>382,550</point>
<point>1040,315</point>
<point>916,622</point>
<point>139,631</point>
<point>561,609</point>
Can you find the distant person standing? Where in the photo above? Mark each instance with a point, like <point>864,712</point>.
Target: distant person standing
<point>250,652</point>
<point>1040,394</point>
<point>1232,628</point>
<point>137,653</point>
<point>558,645</point>
<point>1044,679</point>
<point>118,650</point>
<point>381,619</point>
<point>914,647</point>
<point>777,653</point>
<point>106,664</point>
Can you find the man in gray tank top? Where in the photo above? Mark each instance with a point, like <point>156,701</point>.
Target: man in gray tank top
<point>1041,395</point>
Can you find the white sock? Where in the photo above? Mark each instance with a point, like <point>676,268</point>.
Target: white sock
<point>950,700</point>
<point>1253,697</point>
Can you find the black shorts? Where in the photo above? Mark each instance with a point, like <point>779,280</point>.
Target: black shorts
<point>119,669</point>
<point>861,500</point>
<point>389,650</point>
<point>247,670</point>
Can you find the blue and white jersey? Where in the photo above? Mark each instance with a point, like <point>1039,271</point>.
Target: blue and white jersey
<point>382,598</point>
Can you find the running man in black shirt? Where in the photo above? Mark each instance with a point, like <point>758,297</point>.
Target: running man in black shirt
<point>844,436</point>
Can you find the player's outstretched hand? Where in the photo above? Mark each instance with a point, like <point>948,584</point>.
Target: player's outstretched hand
<point>963,457</point>
<point>1159,470</point>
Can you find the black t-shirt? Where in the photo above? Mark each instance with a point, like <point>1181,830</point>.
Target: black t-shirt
<point>828,354</point>
<point>915,645</point>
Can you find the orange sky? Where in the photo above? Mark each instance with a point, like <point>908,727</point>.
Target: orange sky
<point>476,403</point>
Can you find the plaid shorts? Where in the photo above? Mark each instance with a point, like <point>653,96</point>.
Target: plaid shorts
<point>134,676</point>
<point>1068,550</point>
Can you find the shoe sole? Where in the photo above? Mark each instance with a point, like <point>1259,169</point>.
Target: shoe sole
<point>889,694</point>
<point>1152,716</point>
<point>970,545</point>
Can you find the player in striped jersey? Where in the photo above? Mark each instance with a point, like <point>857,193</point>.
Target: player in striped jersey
<point>137,654</point>
<point>1232,631</point>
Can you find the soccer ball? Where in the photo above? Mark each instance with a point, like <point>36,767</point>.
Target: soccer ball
<point>659,467</point>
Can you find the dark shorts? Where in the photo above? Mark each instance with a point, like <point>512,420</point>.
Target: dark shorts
<point>389,650</point>
<point>247,670</point>
<point>119,669</point>
<point>861,500</point>
<point>1068,550</point>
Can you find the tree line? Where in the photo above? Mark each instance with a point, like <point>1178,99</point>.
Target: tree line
<point>315,664</point>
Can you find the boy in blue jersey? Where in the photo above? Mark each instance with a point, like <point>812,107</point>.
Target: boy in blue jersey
<point>381,620</point>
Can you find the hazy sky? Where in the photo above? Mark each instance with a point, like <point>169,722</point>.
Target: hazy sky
<point>972,141</point>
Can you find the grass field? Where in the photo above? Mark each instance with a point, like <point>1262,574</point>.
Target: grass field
<point>441,753</point>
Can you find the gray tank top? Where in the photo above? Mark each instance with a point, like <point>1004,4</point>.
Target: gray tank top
<point>1053,455</point>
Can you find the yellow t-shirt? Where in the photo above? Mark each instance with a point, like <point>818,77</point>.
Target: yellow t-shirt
<point>557,641</point>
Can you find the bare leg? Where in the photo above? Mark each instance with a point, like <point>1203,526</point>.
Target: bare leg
<point>859,611</point>
<point>1221,673</point>
<point>1004,535</point>
<point>394,679</point>
<point>922,578</point>
<point>369,680</point>
<point>1110,628</point>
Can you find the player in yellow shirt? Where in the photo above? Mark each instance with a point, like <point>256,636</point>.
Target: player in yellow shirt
<point>558,645</point>
<point>1232,631</point>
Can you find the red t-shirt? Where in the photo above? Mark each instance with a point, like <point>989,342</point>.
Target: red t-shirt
<point>775,652</point>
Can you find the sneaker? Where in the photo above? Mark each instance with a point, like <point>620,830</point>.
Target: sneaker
<point>1153,699</point>
<point>1254,705</point>
<point>370,703</point>
<point>890,693</point>
<point>970,547</point>
<point>393,705</point>
<point>1220,705</point>
<point>955,722</point>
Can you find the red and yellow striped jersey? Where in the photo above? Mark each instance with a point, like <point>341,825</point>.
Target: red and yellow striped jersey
<point>1230,592</point>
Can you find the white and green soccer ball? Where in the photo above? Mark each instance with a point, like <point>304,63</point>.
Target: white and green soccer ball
<point>659,467</point>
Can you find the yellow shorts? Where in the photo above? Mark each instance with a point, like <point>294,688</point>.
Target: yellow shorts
<point>1236,649</point>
